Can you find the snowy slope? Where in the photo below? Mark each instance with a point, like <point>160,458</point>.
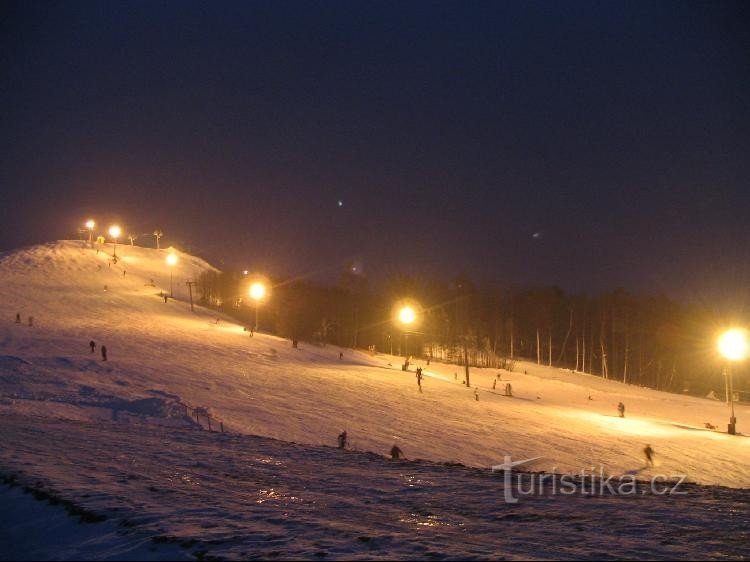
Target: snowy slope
<point>262,386</point>
<point>113,438</point>
<point>161,354</point>
<point>241,497</point>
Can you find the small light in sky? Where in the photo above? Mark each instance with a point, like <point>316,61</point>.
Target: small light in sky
<point>537,234</point>
<point>341,203</point>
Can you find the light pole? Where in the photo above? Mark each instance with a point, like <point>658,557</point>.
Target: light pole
<point>90,224</point>
<point>114,232</point>
<point>733,345</point>
<point>407,317</point>
<point>171,262</point>
<point>257,293</point>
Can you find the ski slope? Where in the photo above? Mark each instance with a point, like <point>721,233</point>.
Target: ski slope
<point>162,356</point>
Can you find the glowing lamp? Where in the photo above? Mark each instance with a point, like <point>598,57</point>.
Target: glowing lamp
<point>257,291</point>
<point>407,315</point>
<point>733,344</point>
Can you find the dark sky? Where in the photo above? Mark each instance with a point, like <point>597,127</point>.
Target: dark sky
<point>586,144</point>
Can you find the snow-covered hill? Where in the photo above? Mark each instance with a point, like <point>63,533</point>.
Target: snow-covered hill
<point>263,386</point>
<point>162,357</point>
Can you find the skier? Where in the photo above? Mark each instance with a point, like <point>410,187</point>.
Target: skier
<point>104,353</point>
<point>494,384</point>
<point>18,317</point>
<point>508,389</point>
<point>621,409</point>
<point>396,453</point>
<point>342,440</point>
<point>166,296</point>
<point>341,355</point>
<point>476,394</point>
<point>92,345</point>
<point>649,452</point>
<point>31,320</point>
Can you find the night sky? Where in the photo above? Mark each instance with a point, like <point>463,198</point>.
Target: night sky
<point>591,145</point>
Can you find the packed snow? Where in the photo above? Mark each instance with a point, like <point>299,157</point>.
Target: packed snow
<point>114,436</point>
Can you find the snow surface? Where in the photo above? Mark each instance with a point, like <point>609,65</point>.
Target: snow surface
<point>113,436</point>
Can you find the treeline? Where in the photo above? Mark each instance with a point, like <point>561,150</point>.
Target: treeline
<point>648,340</point>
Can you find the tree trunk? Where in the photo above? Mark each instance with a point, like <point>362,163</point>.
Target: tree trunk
<point>565,341</point>
<point>583,350</point>
<point>538,349</point>
<point>466,363</point>
<point>550,347</point>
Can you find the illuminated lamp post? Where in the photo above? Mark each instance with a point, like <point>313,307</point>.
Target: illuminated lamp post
<point>171,260</point>
<point>406,317</point>
<point>90,224</point>
<point>114,232</point>
<point>257,292</point>
<point>733,346</point>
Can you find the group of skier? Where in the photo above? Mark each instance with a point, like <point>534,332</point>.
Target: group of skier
<point>18,319</point>
<point>396,452</point>
<point>103,349</point>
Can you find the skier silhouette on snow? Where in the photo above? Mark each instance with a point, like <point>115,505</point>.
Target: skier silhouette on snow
<point>649,452</point>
